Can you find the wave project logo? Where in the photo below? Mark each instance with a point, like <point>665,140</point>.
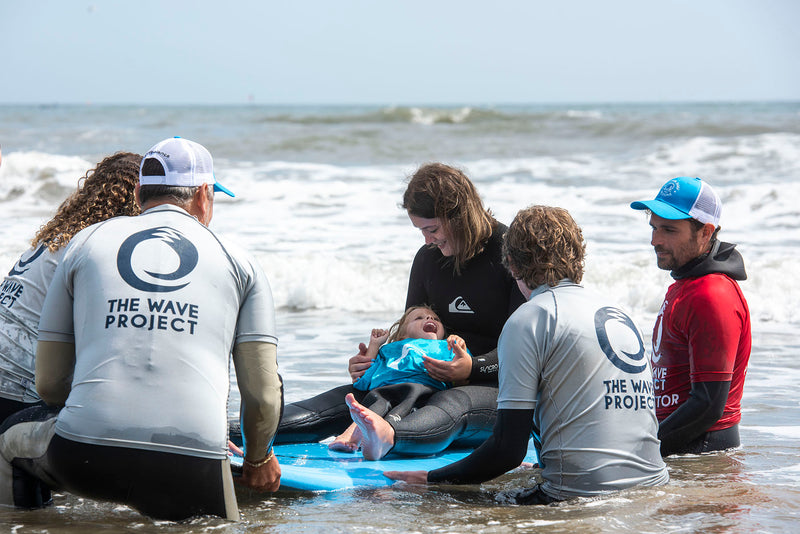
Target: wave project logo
<point>24,264</point>
<point>139,277</point>
<point>616,331</point>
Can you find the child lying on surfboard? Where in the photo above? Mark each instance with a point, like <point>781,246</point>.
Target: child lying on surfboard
<point>398,368</point>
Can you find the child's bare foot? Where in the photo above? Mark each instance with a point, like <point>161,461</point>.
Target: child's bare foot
<point>377,436</point>
<point>347,441</point>
<point>342,446</point>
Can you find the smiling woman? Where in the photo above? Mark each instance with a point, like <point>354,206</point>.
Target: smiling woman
<point>460,276</point>
<point>435,233</point>
<point>444,204</point>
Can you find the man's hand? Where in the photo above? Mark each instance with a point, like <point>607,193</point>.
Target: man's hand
<point>265,477</point>
<point>410,477</point>
<point>456,370</point>
<point>359,363</point>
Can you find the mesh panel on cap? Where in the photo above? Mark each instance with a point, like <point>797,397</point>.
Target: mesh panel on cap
<point>203,163</point>
<point>707,204</point>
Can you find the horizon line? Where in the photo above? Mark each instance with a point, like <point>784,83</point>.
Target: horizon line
<point>412,104</point>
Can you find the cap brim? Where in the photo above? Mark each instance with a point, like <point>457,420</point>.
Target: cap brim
<point>222,188</point>
<point>662,209</point>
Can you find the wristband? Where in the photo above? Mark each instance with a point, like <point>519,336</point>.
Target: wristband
<point>256,465</point>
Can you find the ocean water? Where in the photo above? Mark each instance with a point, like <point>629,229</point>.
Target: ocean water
<point>317,200</point>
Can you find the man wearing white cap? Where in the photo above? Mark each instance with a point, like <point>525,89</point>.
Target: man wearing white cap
<point>701,339</point>
<point>134,342</point>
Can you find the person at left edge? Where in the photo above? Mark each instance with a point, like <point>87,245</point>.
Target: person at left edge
<point>103,192</point>
<point>135,340</point>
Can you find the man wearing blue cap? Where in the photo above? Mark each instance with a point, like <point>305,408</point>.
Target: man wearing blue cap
<point>701,339</point>
<point>135,339</point>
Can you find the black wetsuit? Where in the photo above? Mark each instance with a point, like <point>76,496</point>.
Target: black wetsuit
<point>474,305</point>
<point>159,484</point>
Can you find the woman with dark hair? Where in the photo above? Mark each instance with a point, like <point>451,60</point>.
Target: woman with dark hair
<point>103,192</point>
<point>458,273</point>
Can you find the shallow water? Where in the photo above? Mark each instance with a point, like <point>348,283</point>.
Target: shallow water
<point>317,192</point>
<point>753,489</point>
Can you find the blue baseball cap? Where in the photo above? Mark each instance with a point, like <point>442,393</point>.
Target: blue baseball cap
<point>684,198</point>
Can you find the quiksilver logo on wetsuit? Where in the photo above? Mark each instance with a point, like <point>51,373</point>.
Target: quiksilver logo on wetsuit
<point>135,253</point>
<point>459,305</point>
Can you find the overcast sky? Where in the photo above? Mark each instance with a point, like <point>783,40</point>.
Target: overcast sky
<point>398,52</point>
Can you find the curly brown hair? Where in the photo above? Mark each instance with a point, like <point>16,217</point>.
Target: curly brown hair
<point>544,245</point>
<point>439,191</point>
<point>103,192</point>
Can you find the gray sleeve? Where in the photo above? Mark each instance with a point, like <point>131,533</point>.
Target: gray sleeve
<point>56,320</point>
<point>256,321</point>
<point>520,355</point>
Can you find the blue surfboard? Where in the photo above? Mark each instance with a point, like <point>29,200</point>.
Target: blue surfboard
<point>314,467</point>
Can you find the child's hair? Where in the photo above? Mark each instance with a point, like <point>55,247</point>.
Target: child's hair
<point>395,331</point>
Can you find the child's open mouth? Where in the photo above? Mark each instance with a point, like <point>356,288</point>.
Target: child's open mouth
<point>430,326</point>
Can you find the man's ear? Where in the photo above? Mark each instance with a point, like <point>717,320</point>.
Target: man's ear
<point>202,204</point>
<point>136,195</point>
<point>705,234</point>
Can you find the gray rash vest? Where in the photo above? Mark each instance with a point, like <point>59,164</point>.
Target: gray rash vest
<point>157,303</point>
<point>580,364</point>
<point>21,298</point>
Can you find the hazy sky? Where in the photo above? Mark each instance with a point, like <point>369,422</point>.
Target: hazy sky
<point>398,52</point>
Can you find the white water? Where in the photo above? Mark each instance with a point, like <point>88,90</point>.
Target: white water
<point>337,250</point>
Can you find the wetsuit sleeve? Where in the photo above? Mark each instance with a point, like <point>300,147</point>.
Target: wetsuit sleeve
<point>261,390</point>
<point>484,368</point>
<point>694,417</point>
<point>503,451</point>
<point>55,364</point>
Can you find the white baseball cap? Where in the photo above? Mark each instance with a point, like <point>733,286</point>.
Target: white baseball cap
<point>184,163</point>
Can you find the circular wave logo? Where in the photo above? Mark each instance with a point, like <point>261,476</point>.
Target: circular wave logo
<point>616,333</point>
<point>24,264</point>
<point>134,253</point>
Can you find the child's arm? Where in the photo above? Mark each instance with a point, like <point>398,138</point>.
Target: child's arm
<point>376,340</point>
